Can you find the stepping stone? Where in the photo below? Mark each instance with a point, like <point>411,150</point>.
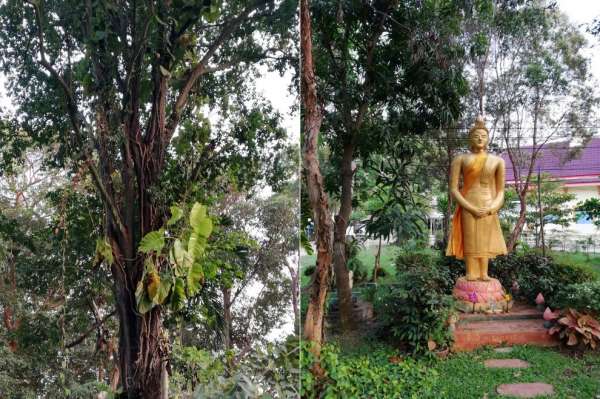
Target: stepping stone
<point>506,363</point>
<point>525,390</point>
<point>506,349</point>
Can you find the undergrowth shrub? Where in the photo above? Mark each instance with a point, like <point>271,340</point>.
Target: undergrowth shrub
<point>582,296</point>
<point>415,310</point>
<point>535,273</point>
<point>380,373</point>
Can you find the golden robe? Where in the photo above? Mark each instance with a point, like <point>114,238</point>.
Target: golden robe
<point>472,236</point>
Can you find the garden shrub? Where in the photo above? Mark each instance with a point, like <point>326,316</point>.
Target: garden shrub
<point>268,371</point>
<point>416,308</point>
<point>443,270</point>
<point>535,273</point>
<point>582,296</point>
<point>455,267</point>
<point>380,373</point>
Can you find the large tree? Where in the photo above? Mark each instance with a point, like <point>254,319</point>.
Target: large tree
<point>380,63</point>
<point>106,85</point>
<point>315,189</point>
<point>539,89</point>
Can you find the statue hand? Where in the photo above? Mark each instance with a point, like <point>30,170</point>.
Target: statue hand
<point>482,212</point>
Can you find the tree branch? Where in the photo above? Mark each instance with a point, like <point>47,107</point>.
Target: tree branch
<point>89,330</point>
<point>201,68</point>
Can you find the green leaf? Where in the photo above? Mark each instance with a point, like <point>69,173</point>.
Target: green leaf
<point>162,292</point>
<point>197,213</point>
<point>204,227</point>
<point>210,270</point>
<point>144,304</point>
<point>153,284</point>
<point>104,250</point>
<point>153,241</point>
<point>179,252</point>
<point>176,214</point>
<point>195,278</point>
<point>178,297</point>
<point>196,246</point>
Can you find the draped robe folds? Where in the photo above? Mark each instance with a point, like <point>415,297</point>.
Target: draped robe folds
<point>471,236</point>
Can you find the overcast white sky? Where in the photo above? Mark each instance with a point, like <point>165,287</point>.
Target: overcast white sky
<point>583,12</point>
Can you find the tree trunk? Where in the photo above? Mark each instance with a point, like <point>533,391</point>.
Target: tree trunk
<point>516,233</point>
<point>142,346</point>
<point>226,317</point>
<point>377,261</point>
<point>342,219</point>
<point>313,325</point>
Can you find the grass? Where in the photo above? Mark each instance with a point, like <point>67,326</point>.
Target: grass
<point>464,376</point>
<point>578,258</point>
<point>367,256</point>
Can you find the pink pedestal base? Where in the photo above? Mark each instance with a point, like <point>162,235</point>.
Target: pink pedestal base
<point>490,296</point>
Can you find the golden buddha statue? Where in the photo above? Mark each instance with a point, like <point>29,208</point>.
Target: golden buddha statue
<point>476,235</point>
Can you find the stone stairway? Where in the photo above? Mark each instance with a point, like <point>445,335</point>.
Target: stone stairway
<point>523,325</point>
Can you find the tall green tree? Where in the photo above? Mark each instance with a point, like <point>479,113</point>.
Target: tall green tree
<point>550,204</point>
<point>539,88</point>
<point>380,60</point>
<point>107,86</point>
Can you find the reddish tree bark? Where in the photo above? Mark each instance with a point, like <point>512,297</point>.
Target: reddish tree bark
<point>313,325</point>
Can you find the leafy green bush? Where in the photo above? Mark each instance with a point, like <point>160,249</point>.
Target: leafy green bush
<point>416,308</point>
<point>442,270</point>
<point>454,267</point>
<point>271,371</point>
<point>583,297</point>
<point>380,373</point>
<point>535,273</point>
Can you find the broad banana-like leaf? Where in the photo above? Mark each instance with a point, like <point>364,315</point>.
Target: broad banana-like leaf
<point>153,241</point>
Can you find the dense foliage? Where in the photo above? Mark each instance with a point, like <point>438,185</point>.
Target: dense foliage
<point>581,296</point>
<point>414,310</point>
<point>378,373</point>
<point>272,372</point>
<point>123,115</point>
<point>534,274</point>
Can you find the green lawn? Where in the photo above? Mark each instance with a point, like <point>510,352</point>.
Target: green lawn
<point>367,256</point>
<point>578,258</point>
<point>464,376</point>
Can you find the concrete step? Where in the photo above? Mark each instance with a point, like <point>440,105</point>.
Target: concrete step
<point>518,312</point>
<point>507,332</point>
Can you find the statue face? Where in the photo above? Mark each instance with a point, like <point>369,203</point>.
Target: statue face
<point>479,139</point>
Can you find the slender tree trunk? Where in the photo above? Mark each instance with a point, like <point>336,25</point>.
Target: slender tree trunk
<point>541,213</point>
<point>516,233</point>
<point>377,261</point>
<point>226,318</point>
<point>313,325</point>
<point>342,219</point>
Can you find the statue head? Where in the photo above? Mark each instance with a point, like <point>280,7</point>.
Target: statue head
<point>478,135</point>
